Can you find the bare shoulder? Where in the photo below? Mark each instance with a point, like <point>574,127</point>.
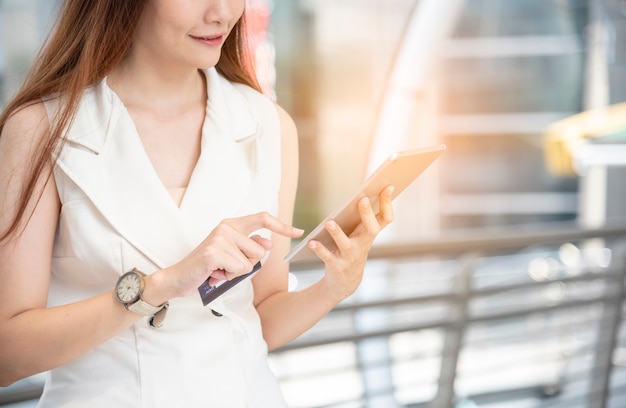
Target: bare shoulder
<point>289,133</point>
<point>285,119</point>
<point>20,140</point>
<point>25,127</point>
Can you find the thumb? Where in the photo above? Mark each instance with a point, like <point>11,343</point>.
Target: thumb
<point>264,242</point>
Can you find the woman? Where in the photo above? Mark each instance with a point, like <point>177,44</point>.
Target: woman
<point>140,143</point>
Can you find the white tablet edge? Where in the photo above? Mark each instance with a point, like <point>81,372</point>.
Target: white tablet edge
<point>300,250</point>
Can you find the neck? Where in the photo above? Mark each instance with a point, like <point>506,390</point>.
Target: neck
<point>156,87</point>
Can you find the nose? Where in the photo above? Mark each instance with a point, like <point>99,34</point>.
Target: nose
<point>223,11</point>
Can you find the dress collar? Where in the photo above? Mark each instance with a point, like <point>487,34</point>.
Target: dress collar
<point>226,107</point>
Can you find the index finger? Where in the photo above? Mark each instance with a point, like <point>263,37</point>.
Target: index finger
<point>250,223</point>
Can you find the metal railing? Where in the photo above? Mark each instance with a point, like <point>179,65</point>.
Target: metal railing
<point>595,283</point>
<point>471,292</point>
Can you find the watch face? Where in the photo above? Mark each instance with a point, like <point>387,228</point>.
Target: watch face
<point>129,287</point>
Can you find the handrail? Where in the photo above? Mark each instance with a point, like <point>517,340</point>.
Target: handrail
<point>443,323</point>
<point>471,245</point>
<point>490,241</point>
<point>486,242</point>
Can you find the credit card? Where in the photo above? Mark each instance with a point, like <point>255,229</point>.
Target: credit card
<point>209,293</point>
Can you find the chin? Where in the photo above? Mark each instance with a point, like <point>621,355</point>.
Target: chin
<point>203,66</point>
<point>208,61</point>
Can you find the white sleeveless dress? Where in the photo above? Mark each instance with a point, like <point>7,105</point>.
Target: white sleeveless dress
<point>116,215</point>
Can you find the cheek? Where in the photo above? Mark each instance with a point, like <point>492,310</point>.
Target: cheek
<point>161,23</point>
<point>237,7</point>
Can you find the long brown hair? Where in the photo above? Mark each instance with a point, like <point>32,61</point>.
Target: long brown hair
<point>89,39</point>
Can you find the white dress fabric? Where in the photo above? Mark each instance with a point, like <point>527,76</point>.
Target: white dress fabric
<point>117,215</point>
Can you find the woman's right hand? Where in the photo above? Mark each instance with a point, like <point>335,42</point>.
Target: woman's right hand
<point>227,252</point>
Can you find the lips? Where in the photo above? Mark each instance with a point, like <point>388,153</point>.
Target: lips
<point>213,40</point>
<point>207,38</point>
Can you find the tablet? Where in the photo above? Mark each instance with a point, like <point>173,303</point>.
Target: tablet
<point>399,170</point>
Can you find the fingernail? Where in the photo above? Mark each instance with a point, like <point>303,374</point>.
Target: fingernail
<point>331,225</point>
<point>365,202</point>
<point>390,190</point>
<point>298,231</point>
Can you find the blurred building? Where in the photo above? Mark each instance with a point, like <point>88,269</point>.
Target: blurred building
<point>508,70</point>
<point>23,26</point>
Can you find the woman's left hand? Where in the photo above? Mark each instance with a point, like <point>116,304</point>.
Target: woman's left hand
<point>344,267</point>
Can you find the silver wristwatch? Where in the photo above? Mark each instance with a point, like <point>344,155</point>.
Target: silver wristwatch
<point>128,291</point>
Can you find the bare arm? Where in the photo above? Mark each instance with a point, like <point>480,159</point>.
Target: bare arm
<point>35,338</point>
<point>285,315</point>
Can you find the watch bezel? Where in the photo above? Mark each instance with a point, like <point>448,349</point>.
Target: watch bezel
<point>155,314</point>
<point>137,296</point>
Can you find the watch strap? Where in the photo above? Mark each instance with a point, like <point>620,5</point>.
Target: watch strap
<point>144,308</point>
<point>159,317</point>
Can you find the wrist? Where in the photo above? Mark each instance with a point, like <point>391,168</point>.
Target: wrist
<point>333,291</point>
<point>155,291</point>
<point>130,290</point>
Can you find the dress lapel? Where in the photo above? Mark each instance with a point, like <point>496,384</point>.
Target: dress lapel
<point>104,156</point>
<point>227,167</point>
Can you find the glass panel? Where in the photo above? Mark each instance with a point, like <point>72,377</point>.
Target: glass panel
<point>23,26</point>
<point>490,18</point>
